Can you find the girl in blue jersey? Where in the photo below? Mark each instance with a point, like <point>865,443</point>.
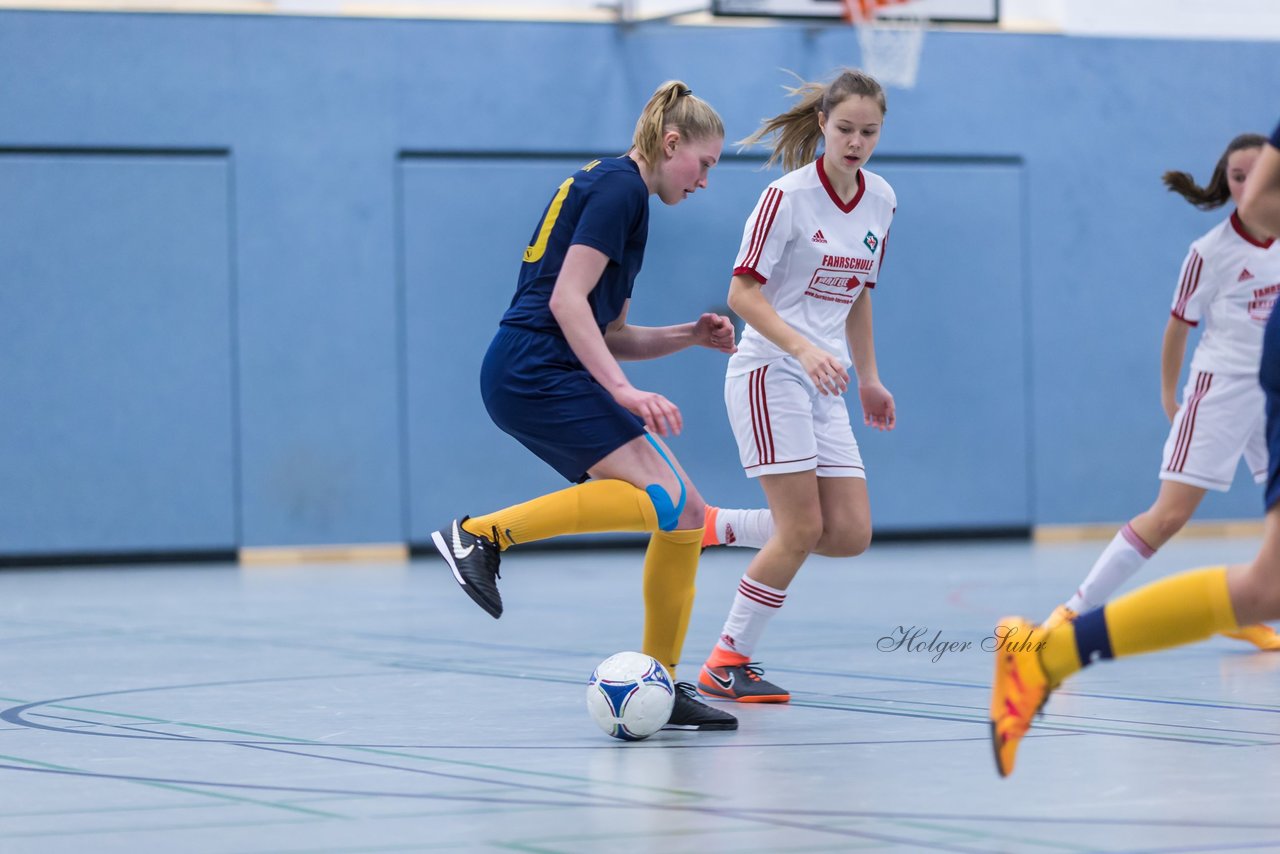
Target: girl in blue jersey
<point>551,379</point>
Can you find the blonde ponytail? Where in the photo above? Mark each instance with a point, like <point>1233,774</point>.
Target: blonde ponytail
<point>673,106</point>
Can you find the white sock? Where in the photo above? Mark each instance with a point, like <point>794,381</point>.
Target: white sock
<point>753,606</point>
<point>749,529</point>
<point>1123,556</point>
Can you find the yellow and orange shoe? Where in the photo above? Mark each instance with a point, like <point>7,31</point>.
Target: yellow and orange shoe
<point>1019,690</point>
<point>1061,614</point>
<point>1259,634</point>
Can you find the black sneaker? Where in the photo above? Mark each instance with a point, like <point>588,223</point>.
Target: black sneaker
<point>689,713</point>
<point>474,561</point>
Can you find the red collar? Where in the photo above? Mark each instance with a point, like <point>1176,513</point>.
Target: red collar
<point>1238,225</point>
<point>857,197</point>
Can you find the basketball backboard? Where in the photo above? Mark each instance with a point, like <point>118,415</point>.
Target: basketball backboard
<point>942,11</point>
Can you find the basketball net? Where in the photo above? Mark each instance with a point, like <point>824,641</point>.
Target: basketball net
<point>890,47</point>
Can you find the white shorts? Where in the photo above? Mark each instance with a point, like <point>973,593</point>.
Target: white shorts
<point>783,424</point>
<point>1222,418</point>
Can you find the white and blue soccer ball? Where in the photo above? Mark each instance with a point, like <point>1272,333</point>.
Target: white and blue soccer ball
<point>630,696</point>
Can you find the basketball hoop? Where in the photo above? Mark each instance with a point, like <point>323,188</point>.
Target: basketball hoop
<point>890,46</point>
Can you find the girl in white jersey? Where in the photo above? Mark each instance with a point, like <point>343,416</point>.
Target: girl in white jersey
<point>810,254</point>
<point>1229,281</point>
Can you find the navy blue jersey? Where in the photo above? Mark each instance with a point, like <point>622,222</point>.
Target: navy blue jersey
<point>1269,376</point>
<point>604,205</point>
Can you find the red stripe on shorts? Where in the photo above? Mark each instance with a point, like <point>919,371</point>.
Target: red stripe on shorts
<point>1188,427</point>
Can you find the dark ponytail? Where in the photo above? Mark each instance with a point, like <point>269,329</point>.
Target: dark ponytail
<point>1216,193</point>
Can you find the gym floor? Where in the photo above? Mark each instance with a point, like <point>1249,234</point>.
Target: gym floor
<point>352,708</point>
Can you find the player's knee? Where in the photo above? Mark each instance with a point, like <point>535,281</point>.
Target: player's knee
<point>695,512</point>
<point>802,536</point>
<point>667,510</point>
<point>682,510</point>
<point>849,541</point>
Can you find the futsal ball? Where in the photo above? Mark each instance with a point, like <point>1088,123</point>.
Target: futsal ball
<point>630,696</point>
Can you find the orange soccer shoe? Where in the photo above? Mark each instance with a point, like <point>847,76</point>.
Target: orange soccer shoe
<point>1061,614</point>
<point>742,683</point>
<point>1019,690</point>
<point>1259,634</point>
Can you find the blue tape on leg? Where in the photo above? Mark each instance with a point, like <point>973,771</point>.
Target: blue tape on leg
<point>668,513</point>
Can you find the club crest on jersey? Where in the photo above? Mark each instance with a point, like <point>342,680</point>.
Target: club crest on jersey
<point>871,241</point>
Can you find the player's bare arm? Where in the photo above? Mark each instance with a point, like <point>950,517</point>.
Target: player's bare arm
<point>1260,202</point>
<point>877,403</point>
<point>1172,351</point>
<point>823,368</point>
<point>579,275</point>
<point>633,343</point>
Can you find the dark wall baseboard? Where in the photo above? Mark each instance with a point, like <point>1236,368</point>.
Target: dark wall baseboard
<point>77,559</point>
<point>418,550</point>
<point>639,541</point>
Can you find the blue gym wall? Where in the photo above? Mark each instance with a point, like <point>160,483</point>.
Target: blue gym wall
<point>249,265</point>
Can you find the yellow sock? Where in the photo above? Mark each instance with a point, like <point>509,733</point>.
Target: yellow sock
<point>591,507</point>
<point>670,565</point>
<point>1182,609</point>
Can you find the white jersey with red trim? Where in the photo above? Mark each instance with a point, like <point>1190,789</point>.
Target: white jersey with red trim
<point>813,256</point>
<point>1230,281</point>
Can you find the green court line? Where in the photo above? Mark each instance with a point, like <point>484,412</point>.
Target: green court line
<point>154,828</point>
<point>366,849</point>
<point>1003,837</point>
<point>183,789</point>
<point>94,810</point>
<point>743,826</point>
<point>488,809</point>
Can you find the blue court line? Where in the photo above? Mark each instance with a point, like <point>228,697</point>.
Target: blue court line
<point>501,783</point>
<point>980,717</point>
<point>1272,845</point>
<point>986,686</point>
<point>978,714</point>
<point>419,771</point>
<point>987,834</point>
<point>1208,824</point>
<point>1274,736</point>
<point>155,735</point>
<point>751,815</point>
<point>16,714</point>
<point>1092,820</point>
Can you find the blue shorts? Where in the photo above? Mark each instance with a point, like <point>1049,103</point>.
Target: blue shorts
<point>1269,376</point>
<point>538,392</point>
